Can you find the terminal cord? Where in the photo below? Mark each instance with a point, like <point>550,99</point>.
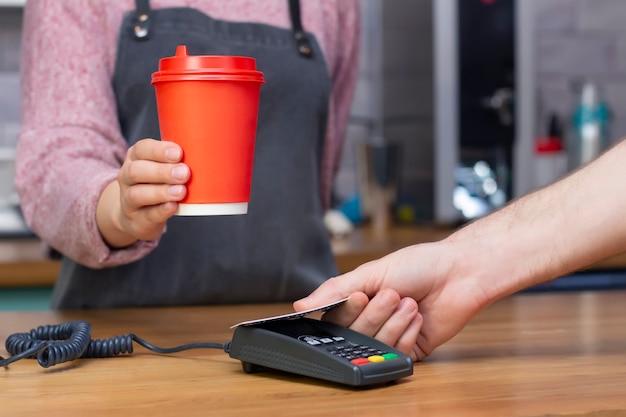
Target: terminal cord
<point>55,344</point>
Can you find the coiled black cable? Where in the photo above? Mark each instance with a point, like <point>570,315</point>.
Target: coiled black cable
<point>55,344</point>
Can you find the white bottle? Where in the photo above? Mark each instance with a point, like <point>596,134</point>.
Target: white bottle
<point>590,123</point>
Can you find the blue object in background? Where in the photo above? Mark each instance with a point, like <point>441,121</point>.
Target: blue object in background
<point>25,299</point>
<point>590,127</point>
<point>351,208</point>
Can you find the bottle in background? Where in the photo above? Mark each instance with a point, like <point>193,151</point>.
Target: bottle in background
<point>550,155</point>
<point>590,127</point>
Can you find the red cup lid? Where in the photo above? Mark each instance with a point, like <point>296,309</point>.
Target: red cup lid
<point>182,66</point>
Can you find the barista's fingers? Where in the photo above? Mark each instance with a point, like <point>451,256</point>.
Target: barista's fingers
<point>148,222</point>
<point>155,150</point>
<point>148,195</point>
<point>162,212</point>
<point>150,229</point>
<point>150,172</point>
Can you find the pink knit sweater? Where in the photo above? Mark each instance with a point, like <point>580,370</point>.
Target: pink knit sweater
<point>70,146</point>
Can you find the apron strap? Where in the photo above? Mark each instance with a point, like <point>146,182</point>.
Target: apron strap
<point>302,42</point>
<point>141,27</point>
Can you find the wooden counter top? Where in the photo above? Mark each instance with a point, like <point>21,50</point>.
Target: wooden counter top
<point>364,245</point>
<point>22,262</point>
<point>527,355</point>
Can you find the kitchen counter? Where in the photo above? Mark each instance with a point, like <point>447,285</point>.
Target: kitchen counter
<point>22,263</point>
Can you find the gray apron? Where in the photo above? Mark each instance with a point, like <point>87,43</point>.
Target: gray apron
<point>280,250</point>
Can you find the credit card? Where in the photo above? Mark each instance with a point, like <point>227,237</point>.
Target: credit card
<point>290,316</point>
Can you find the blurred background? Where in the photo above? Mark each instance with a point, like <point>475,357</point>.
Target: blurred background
<point>461,105</point>
<point>452,83</point>
<point>461,82</point>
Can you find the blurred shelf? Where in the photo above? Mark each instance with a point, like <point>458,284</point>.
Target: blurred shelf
<point>23,263</point>
<point>363,245</point>
<point>12,3</point>
<point>25,299</point>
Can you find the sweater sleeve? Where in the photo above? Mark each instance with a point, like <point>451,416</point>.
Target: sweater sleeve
<point>70,145</point>
<point>343,72</point>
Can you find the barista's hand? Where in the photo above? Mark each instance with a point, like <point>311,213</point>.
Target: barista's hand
<point>385,294</point>
<point>148,187</point>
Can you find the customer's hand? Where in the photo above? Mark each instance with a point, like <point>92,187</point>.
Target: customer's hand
<point>537,237</point>
<point>385,295</point>
<point>149,184</point>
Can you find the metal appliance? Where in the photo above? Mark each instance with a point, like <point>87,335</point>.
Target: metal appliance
<point>480,60</point>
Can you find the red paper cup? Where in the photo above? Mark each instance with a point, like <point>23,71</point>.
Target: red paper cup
<point>209,106</point>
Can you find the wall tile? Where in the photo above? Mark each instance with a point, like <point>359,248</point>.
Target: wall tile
<point>602,15</point>
<point>615,95</point>
<point>407,17</point>
<point>618,129</point>
<point>408,95</point>
<point>411,55</point>
<point>554,94</point>
<point>556,15</point>
<point>416,139</point>
<point>620,42</point>
<point>577,55</point>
